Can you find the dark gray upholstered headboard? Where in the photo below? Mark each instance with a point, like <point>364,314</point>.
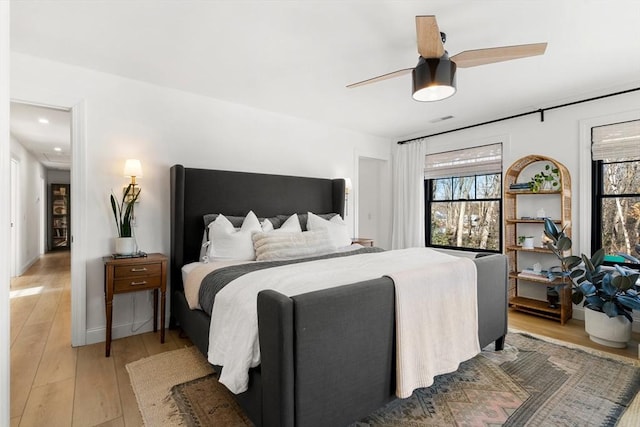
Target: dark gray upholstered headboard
<point>196,192</point>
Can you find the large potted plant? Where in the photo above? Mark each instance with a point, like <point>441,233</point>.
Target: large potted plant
<point>609,295</point>
<point>123,215</point>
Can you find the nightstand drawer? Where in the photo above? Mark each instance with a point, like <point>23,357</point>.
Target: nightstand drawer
<point>132,284</point>
<point>138,270</point>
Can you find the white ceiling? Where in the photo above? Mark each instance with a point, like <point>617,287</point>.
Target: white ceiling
<point>49,142</point>
<point>295,57</point>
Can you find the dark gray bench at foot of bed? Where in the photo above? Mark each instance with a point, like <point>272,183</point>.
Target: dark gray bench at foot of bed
<point>328,357</point>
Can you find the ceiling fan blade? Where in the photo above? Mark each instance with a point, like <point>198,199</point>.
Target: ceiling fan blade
<point>381,78</point>
<point>473,58</point>
<point>428,35</point>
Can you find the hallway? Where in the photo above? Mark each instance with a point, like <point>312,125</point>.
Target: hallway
<point>54,384</point>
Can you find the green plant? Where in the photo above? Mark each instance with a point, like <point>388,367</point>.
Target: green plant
<point>612,291</point>
<point>549,175</point>
<point>522,238</point>
<point>123,212</point>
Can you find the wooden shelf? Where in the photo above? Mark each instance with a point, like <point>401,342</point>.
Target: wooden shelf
<point>529,192</point>
<point>513,219</point>
<point>534,249</point>
<point>59,216</point>
<point>530,221</point>
<point>534,306</point>
<point>554,282</point>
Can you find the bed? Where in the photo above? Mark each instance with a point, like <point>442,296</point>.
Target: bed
<point>328,356</point>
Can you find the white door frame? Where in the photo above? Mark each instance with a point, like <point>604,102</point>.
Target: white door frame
<point>78,194</point>
<point>15,217</point>
<point>43,216</point>
<point>5,170</point>
<point>78,233</point>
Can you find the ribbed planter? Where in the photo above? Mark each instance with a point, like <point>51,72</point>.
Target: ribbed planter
<point>125,245</point>
<point>605,330</point>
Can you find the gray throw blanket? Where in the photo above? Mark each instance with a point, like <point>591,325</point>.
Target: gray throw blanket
<point>218,279</point>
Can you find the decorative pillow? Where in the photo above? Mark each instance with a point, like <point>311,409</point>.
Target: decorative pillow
<point>226,242</point>
<point>304,221</point>
<point>266,225</point>
<point>292,224</point>
<point>290,245</point>
<point>204,248</point>
<point>336,227</point>
<point>235,220</point>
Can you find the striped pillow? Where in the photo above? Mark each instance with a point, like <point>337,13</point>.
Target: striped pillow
<point>291,245</point>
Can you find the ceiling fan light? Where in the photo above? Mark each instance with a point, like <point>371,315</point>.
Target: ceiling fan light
<point>434,79</point>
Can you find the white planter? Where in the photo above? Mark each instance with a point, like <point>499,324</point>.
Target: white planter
<point>125,245</point>
<point>528,243</point>
<point>605,330</point>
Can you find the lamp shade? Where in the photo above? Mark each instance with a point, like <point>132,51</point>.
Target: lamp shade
<point>133,167</point>
<point>347,185</point>
<point>434,79</point>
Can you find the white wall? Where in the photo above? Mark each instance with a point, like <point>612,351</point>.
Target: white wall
<point>559,137</point>
<point>55,176</point>
<point>30,205</point>
<point>162,127</point>
<point>5,170</point>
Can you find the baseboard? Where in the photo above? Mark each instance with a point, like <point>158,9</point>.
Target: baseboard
<point>28,265</point>
<point>97,335</point>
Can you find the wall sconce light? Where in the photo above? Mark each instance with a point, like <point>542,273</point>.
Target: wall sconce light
<point>347,190</point>
<point>133,170</point>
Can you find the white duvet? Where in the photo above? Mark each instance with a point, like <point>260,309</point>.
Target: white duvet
<point>233,337</point>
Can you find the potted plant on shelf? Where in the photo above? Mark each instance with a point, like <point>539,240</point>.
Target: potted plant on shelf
<point>608,295</point>
<point>546,179</point>
<point>526,242</point>
<point>123,215</point>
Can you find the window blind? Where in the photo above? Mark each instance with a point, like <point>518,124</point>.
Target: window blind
<point>618,141</point>
<point>482,160</point>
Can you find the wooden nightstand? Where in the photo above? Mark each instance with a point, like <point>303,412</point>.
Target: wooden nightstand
<point>132,275</point>
<point>362,241</point>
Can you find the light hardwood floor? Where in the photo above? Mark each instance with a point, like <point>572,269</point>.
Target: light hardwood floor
<point>54,384</point>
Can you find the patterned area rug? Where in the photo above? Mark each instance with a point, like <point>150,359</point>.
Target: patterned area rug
<point>531,383</point>
<point>205,402</point>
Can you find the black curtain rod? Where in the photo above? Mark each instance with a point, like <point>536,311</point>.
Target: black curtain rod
<point>539,111</point>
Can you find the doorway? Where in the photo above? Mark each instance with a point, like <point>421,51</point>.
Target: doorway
<point>41,141</point>
<point>374,208</point>
<point>78,128</point>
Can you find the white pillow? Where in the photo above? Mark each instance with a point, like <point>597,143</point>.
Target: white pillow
<point>226,242</point>
<point>266,225</point>
<point>292,225</point>
<point>337,228</point>
<point>291,245</point>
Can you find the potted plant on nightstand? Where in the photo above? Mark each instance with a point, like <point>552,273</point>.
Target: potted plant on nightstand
<point>608,295</point>
<point>123,215</point>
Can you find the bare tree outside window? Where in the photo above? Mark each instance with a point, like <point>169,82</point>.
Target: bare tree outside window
<point>465,212</point>
<point>616,190</point>
<point>620,208</point>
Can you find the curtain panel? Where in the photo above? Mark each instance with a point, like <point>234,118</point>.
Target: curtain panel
<point>408,195</point>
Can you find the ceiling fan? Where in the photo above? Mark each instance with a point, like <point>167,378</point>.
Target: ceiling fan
<point>434,78</point>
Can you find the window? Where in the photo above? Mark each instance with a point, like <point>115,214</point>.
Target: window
<point>463,199</point>
<point>616,191</point>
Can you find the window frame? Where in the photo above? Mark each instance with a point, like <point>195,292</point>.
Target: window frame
<point>428,199</point>
<point>597,196</point>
